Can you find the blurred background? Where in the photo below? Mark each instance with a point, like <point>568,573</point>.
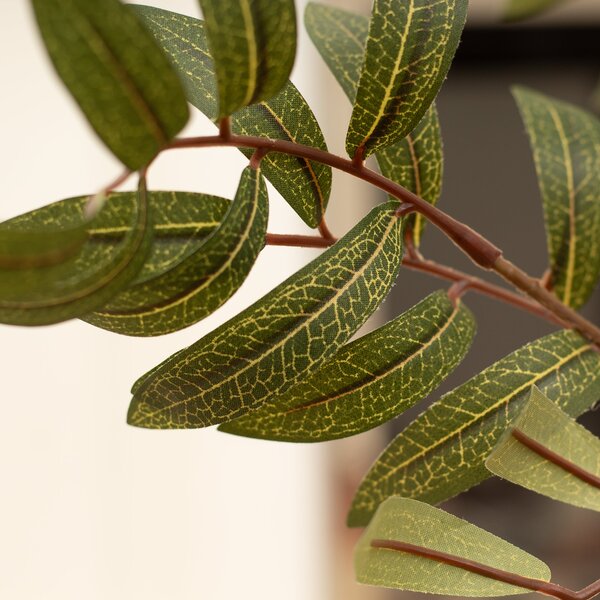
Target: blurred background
<point>93,508</point>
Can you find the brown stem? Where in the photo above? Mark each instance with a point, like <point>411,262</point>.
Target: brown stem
<point>533,288</point>
<point>478,248</point>
<point>302,241</point>
<point>535,585</point>
<point>325,231</point>
<point>556,459</point>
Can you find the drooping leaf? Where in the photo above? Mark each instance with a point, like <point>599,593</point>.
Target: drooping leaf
<point>443,452</point>
<point>517,10</point>
<point>566,146</point>
<point>304,184</point>
<point>203,280</point>
<point>418,524</point>
<point>253,43</point>
<point>118,75</point>
<point>80,284</point>
<point>272,344</point>
<point>370,380</point>
<point>544,422</point>
<point>408,53</point>
<point>416,162</point>
<point>26,249</point>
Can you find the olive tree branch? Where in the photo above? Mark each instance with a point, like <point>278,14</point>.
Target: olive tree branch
<point>483,252</point>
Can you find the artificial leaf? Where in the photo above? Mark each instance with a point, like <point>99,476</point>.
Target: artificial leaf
<point>416,162</point>
<point>180,222</point>
<point>203,280</point>
<point>370,380</point>
<point>408,53</point>
<point>26,249</point>
<point>426,527</point>
<point>566,146</point>
<point>443,452</point>
<point>82,283</point>
<point>253,43</point>
<point>544,422</point>
<point>517,10</point>
<point>268,347</point>
<point>118,75</point>
<point>304,184</point>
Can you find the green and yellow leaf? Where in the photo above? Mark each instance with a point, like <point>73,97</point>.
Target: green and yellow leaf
<point>80,284</point>
<point>408,53</point>
<point>416,162</point>
<point>278,340</point>
<point>443,452</point>
<point>517,10</point>
<point>544,422</point>
<point>566,147</point>
<point>305,185</point>
<point>203,280</point>
<point>370,380</point>
<point>253,43</point>
<point>418,524</point>
<point>118,75</point>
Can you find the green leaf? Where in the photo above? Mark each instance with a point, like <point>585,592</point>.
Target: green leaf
<point>370,380</point>
<point>409,51</point>
<point>305,185</point>
<point>517,10</point>
<point>83,283</point>
<point>418,524</point>
<point>253,43</point>
<point>443,452</point>
<point>566,146</point>
<point>39,248</point>
<point>543,421</point>
<point>416,162</point>
<point>202,281</point>
<point>272,344</point>
<point>122,81</point>
<point>181,221</point>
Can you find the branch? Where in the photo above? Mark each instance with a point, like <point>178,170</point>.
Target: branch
<point>479,249</point>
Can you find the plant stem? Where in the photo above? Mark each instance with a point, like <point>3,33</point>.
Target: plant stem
<point>535,585</point>
<point>479,249</point>
<point>557,459</point>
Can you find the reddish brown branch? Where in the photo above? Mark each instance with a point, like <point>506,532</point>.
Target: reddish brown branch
<point>556,459</point>
<point>302,241</point>
<point>535,585</point>
<point>478,248</point>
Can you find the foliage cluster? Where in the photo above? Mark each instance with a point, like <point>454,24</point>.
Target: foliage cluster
<point>148,263</point>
